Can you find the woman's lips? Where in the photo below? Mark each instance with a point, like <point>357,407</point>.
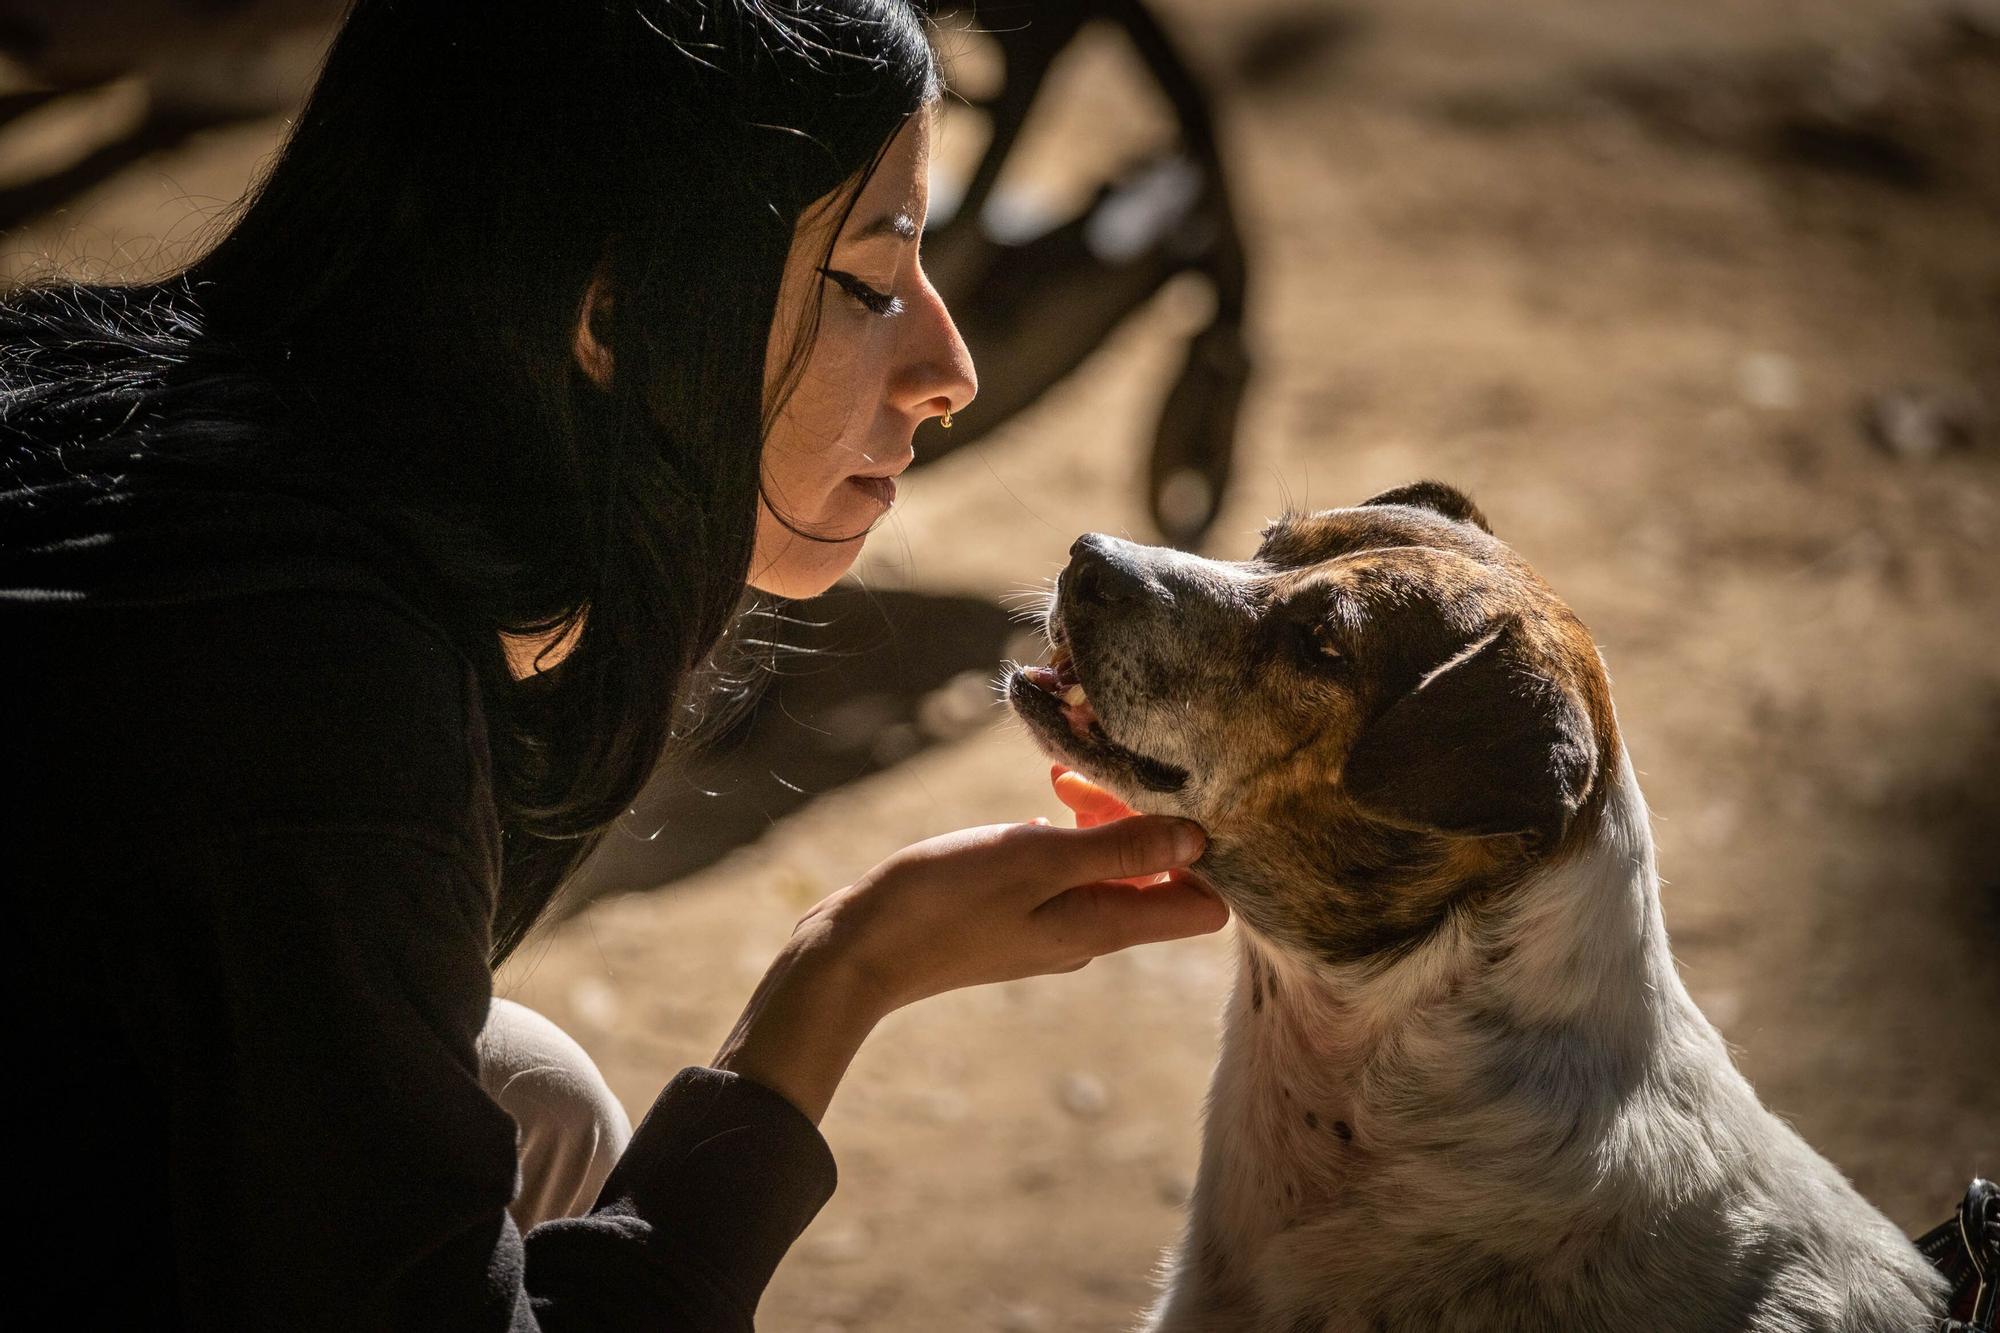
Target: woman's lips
<point>882,490</point>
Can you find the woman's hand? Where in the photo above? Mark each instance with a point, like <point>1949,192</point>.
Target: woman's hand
<point>1014,900</point>
<point>979,905</point>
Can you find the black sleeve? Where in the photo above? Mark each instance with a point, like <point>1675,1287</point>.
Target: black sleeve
<point>336,1163</point>
<point>305,965</point>
<point>720,1178</point>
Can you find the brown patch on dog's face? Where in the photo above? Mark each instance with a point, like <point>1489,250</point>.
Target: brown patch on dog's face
<point>1379,715</point>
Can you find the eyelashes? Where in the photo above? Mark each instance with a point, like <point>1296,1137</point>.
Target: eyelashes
<point>873,301</point>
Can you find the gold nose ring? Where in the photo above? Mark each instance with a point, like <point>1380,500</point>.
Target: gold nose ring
<point>945,421</point>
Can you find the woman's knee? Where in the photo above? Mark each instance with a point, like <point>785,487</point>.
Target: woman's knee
<point>571,1128</point>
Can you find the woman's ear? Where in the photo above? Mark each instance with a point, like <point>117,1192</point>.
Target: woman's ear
<point>593,358</point>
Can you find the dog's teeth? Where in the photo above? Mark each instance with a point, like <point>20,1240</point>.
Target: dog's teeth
<point>1073,695</point>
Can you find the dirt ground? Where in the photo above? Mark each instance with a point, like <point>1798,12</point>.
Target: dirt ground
<point>1631,274</point>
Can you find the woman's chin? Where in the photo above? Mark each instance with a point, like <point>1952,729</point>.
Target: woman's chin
<point>803,568</point>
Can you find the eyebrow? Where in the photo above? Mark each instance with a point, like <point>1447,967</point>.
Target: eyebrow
<point>898,224</point>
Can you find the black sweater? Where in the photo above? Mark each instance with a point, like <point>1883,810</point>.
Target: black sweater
<point>253,885</point>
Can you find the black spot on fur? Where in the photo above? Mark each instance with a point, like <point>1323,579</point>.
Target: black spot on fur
<point>1312,1121</point>
<point>1344,1131</point>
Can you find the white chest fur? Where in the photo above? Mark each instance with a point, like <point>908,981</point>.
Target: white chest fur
<point>1525,1109</point>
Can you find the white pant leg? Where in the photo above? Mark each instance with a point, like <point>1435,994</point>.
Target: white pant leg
<point>570,1128</point>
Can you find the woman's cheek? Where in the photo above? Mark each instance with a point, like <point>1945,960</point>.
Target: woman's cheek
<point>824,432</point>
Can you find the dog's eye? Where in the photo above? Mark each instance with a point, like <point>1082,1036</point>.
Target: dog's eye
<point>1321,643</point>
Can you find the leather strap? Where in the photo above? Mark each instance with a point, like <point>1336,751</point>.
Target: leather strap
<point>1966,1249</point>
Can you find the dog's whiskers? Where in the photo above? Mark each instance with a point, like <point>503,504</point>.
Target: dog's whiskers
<point>1027,615</point>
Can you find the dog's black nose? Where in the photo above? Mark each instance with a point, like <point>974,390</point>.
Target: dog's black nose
<point>1100,572</point>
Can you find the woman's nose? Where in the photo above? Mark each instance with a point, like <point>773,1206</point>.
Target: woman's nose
<point>940,377</point>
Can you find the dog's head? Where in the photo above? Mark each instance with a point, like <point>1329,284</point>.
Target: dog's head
<point>1380,714</point>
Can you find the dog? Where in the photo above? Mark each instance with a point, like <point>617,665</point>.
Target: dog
<point>1460,1086</point>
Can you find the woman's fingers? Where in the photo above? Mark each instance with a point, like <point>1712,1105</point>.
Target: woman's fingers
<point>1191,878</point>
<point>1074,791</point>
<point>1091,803</point>
<point>1013,900</point>
<point>1057,858</point>
<point>1104,918</point>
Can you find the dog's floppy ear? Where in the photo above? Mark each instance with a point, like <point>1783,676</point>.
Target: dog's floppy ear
<point>1437,497</point>
<point>1483,745</point>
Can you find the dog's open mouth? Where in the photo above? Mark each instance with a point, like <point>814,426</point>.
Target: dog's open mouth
<point>1052,696</point>
<point>1059,679</point>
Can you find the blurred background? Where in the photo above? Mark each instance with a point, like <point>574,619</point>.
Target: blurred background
<point>1701,302</point>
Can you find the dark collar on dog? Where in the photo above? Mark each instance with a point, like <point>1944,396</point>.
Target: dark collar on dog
<point>1966,1250</point>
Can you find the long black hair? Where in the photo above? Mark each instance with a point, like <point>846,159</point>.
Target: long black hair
<point>388,327</point>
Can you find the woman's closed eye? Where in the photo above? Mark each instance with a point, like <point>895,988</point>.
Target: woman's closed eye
<point>875,302</point>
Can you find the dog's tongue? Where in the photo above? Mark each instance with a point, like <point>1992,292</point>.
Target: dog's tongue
<point>1060,679</point>
<point>1043,678</point>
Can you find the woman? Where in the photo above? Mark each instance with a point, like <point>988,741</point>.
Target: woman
<point>354,581</point>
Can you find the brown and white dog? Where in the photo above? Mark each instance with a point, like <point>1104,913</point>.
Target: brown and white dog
<point>1461,1086</point>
